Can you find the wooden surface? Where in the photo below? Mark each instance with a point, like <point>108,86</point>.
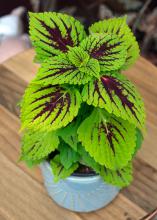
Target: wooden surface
<point>22,194</point>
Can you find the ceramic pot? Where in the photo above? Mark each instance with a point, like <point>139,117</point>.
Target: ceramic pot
<point>78,193</point>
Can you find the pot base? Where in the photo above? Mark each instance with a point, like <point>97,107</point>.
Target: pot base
<point>79,194</point>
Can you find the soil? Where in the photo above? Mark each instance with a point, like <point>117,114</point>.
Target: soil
<point>84,170</point>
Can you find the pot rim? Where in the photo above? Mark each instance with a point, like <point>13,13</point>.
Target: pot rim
<point>83,178</point>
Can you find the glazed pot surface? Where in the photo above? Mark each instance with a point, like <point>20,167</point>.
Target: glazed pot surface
<point>79,194</point>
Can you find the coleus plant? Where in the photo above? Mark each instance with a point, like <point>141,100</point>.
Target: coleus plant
<point>80,108</point>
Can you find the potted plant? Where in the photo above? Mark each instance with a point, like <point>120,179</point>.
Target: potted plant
<point>82,119</point>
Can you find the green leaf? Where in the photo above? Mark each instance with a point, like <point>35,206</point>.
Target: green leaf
<point>116,94</point>
<point>119,27</point>
<point>109,140</point>
<point>87,160</point>
<point>53,33</point>
<point>69,134</point>
<point>83,62</point>
<point>49,107</point>
<point>108,49</point>
<point>33,163</point>
<point>78,56</point>
<point>59,171</point>
<point>60,70</point>
<point>121,177</point>
<point>139,140</point>
<point>37,145</point>
<point>67,155</point>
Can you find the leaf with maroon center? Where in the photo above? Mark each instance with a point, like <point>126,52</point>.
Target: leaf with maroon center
<point>49,107</point>
<point>119,27</point>
<point>108,49</point>
<point>60,70</point>
<point>116,94</point>
<point>119,177</point>
<point>109,140</point>
<point>53,33</point>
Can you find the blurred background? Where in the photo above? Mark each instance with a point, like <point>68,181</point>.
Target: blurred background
<point>142,18</point>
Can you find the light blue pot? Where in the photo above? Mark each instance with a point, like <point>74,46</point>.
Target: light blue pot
<point>79,194</point>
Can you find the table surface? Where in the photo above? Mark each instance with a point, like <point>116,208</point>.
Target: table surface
<point>22,194</point>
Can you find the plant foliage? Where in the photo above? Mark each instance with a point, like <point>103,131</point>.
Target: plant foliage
<point>80,108</point>
<point>117,95</point>
<point>49,107</point>
<point>67,155</point>
<point>37,145</point>
<point>58,169</point>
<point>119,27</point>
<point>110,141</point>
<point>53,33</point>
